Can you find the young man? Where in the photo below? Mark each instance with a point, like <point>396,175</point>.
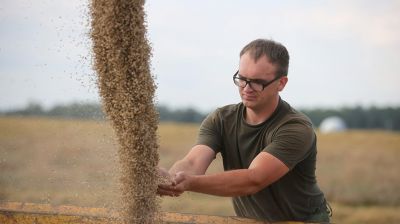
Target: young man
<point>268,148</point>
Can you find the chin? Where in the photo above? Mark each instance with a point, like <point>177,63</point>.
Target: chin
<point>248,104</point>
<point>252,105</point>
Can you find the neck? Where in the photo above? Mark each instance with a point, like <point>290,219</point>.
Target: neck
<point>256,116</point>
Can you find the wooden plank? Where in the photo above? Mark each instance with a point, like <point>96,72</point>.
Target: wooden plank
<point>27,213</point>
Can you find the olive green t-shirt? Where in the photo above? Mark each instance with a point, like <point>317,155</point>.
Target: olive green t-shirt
<point>289,136</point>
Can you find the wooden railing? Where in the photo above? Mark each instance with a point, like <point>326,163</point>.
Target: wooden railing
<point>21,213</point>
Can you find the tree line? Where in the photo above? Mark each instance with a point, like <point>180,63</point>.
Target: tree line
<point>94,111</point>
<point>355,117</point>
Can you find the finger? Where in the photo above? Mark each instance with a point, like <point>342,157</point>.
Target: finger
<point>163,192</point>
<point>178,188</point>
<point>178,194</point>
<point>178,178</point>
<point>169,193</point>
<point>166,187</point>
<point>171,188</point>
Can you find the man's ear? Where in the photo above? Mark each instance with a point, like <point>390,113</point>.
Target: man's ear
<point>282,83</point>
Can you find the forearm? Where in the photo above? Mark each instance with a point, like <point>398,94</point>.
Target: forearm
<point>195,162</point>
<point>263,171</point>
<point>180,165</point>
<point>230,183</point>
<point>186,166</point>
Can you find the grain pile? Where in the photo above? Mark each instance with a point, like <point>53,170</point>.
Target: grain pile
<point>121,60</point>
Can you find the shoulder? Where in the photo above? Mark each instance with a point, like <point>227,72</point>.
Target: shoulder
<point>231,108</point>
<point>293,125</point>
<point>226,112</point>
<point>293,137</point>
<point>293,116</point>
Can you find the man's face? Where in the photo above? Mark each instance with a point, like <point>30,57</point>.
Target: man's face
<point>263,71</point>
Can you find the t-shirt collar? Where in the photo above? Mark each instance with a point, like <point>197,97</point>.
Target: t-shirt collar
<point>273,115</point>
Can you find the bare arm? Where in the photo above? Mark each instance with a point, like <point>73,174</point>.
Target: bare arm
<point>263,171</point>
<point>195,162</point>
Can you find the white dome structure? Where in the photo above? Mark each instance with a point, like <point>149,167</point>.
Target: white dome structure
<point>332,124</point>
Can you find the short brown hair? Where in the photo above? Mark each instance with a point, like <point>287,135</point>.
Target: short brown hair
<point>275,52</point>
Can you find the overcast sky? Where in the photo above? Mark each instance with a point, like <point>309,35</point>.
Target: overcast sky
<point>343,53</point>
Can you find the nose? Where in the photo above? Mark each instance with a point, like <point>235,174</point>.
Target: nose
<point>247,88</point>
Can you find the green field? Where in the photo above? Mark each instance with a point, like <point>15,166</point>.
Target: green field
<point>75,162</point>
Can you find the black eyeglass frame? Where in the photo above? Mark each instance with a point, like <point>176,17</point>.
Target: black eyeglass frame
<point>249,81</point>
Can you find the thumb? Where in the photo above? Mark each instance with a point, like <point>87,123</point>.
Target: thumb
<point>179,177</point>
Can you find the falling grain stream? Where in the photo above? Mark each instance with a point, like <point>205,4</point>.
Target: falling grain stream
<point>122,63</point>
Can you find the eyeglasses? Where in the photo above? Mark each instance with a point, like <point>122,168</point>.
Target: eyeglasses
<point>257,85</point>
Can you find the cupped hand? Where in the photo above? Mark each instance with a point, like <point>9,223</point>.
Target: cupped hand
<point>181,181</point>
<point>166,184</point>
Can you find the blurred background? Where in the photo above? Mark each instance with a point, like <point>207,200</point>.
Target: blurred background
<point>56,147</point>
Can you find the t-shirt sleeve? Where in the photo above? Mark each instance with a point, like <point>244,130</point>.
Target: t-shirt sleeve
<point>210,132</point>
<point>291,143</point>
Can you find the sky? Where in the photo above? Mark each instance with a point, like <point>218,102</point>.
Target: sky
<point>342,53</point>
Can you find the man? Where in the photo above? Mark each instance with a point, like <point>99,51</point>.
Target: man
<point>268,148</point>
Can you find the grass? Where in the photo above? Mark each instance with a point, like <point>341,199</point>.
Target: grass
<point>360,167</point>
<point>75,162</point>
